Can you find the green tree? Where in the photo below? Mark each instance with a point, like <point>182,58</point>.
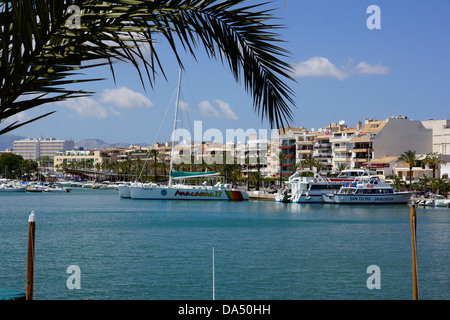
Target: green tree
<point>341,167</point>
<point>410,158</point>
<point>398,183</point>
<point>444,186</point>
<point>11,165</point>
<point>42,50</point>
<point>433,161</point>
<point>281,158</point>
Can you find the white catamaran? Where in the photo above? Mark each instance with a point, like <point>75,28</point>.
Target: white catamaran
<point>180,190</point>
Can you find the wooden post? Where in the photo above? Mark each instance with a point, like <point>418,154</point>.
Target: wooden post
<point>413,219</point>
<point>214,289</point>
<point>30,266</point>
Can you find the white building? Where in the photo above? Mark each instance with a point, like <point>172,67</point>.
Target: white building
<point>441,135</point>
<point>38,148</point>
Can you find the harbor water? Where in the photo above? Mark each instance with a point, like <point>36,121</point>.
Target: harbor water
<point>162,250</point>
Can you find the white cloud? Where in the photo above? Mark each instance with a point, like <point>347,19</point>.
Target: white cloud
<point>365,68</point>
<point>207,109</point>
<point>86,107</point>
<point>125,98</point>
<point>19,117</point>
<point>318,67</point>
<point>184,106</point>
<point>322,67</point>
<point>108,104</point>
<point>224,110</point>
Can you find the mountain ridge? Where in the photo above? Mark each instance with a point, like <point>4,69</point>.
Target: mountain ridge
<point>98,144</point>
<point>7,142</point>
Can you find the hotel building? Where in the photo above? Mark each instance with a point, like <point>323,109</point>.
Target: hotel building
<point>38,148</point>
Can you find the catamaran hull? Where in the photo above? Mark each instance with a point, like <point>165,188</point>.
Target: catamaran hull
<point>396,198</point>
<point>154,193</point>
<point>124,192</point>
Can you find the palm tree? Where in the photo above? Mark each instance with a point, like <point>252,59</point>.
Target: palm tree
<point>398,183</point>
<point>444,186</point>
<point>309,163</point>
<point>154,153</point>
<point>42,50</point>
<point>341,167</point>
<point>410,158</point>
<point>433,161</point>
<point>281,158</point>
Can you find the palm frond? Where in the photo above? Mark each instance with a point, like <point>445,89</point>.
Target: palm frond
<point>40,54</point>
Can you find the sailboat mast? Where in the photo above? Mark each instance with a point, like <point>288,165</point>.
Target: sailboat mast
<point>174,128</point>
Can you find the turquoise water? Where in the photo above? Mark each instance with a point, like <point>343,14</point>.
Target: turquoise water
<point>138,249</point>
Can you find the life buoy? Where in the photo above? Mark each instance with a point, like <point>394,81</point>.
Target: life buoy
<point>369,186</point>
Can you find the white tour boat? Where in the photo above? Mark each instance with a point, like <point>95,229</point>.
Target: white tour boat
<point>373,191</point>
<point>308,186</point>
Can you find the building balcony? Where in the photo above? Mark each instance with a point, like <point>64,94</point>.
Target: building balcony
<point>322,145</point>
<point>342,149</point>
<point>305,143</point>
<point>306,151</point>
<point>342,159</point>
<point>361,150</point>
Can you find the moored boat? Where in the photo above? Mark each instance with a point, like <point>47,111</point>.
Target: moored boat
<point>12,187</point>
<point>373,191</point>
<point>181,190</point>
<point>308,186</point>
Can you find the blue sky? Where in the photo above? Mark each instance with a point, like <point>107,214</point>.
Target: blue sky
<point>343,71</point>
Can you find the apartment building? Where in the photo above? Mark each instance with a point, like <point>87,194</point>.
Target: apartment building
<point>81,157</point>
<point>380,143</point>
<point>287,145</point>
<point>38,148</point>
<point>441,135</point>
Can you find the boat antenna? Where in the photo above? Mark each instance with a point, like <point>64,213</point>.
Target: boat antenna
<point>174,127</point>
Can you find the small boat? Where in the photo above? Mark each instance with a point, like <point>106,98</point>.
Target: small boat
<point>36,187</point>
<point>438,201</point>
<point>11,187</point>
<point>56,188</point>
<point>373,191</point>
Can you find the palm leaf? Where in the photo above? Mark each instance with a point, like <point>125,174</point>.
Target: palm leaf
<point>40,54</point>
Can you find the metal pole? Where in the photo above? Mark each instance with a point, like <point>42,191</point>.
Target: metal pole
<point>175,127</point>
<point>30,266</point>
<point>413,219</point>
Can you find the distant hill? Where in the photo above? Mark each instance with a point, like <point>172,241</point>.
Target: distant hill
<point>7,140</point>
<point>97,144</point>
